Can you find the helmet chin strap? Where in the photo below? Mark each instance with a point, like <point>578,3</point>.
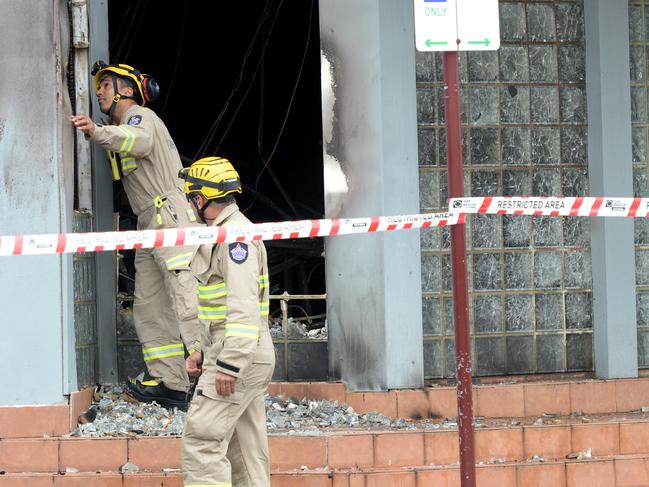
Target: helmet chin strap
<point>201,211</point>
<point>118,96</point>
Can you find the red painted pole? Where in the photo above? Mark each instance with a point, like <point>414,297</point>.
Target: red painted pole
<point>460,286</point>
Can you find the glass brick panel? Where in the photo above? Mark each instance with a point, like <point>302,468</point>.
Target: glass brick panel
<point>579,351</point>
<point>486,273</point>
<point>514,64</point>
<point>519,312</point>
<point>543,64</point>
<point>549,312</point>
<point>524,133</point>
<point>547,270</point>
<point>516,146</point>
<point>550,353</point>
<point>517,231</point>
<point>432,317</point>
<point>433,358</point>
<point>490,355</point>
<point>430,273</point>
<point>486,231</point>
<point>520,354</point>
<point>579,311</point>
<point>547,231</point>
<point>427,147</point>
<point>540,22</point>
<point>512,21</point>
<point>518,270</point>
<point>488,314</point>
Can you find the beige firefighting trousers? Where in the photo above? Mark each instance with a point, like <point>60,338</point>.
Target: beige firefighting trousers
<point>224,440</point>
<point>164,310</point>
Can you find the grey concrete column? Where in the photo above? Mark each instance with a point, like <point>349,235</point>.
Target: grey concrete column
<point>371,169</point>
<point>102,190</point>
<point>37,181</point>
<point>610,174</point>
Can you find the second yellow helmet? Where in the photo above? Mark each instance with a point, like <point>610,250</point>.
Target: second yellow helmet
<point>212,177</point>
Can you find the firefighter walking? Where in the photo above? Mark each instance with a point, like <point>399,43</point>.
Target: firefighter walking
<point>144,156</point>
<point>224,439</point>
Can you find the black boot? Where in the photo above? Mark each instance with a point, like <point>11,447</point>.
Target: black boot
<point>153,390</point>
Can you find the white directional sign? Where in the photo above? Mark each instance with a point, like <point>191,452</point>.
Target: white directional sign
<point>457,25</point>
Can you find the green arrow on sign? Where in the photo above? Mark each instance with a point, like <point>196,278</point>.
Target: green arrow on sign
<point>485,42</point>
<point>434,43</point>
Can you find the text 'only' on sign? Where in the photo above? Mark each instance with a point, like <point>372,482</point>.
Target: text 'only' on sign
<point>457,25</point>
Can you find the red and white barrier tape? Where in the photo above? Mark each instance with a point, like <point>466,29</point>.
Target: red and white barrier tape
<point>589,206</point>
<point>170,237</point>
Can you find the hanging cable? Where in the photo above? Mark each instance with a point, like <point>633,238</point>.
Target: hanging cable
<point>127,15</point>
<point>288,109</point>
<point>254,76</point>
<point>125,39</point>
<point>212,131</point>
<point>135,32</point>
<point>163,108</point>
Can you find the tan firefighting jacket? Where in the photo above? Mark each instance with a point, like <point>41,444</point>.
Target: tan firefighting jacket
<point>233,299</point>
<point>149,160</point>
<point>149,165</point>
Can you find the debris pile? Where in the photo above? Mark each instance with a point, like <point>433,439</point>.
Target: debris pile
<point>298,329</point>
<point>306,414</point>
<point>113,413</point>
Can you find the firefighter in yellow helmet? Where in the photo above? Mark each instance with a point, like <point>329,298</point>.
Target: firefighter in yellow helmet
<point>145,158</point>
<point>224,439</point>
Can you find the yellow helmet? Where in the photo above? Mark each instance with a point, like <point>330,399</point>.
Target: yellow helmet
<point>148,87</point>
<point>212,177</point>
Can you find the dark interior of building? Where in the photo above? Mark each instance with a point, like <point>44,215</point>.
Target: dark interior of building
<point>240,80</point>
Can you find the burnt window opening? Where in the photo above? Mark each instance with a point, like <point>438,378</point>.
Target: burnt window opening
<point>240,80</point>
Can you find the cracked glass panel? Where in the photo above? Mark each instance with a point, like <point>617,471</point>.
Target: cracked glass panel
<point>427,145</point>
<point>431,316</point>
<point>519,312</point>
<point>547,231</point>
<point>516,146</point>
<point>429,190</point>
<point>486,231</point>
<point>547,270</point>
<point>488,314</point>
<point>517,231</point>
<point>579,310</point>
<point>486,271</point>
<point>549,312</point>
<point>574,145</point>
<point>543,64</point>
<point>546,145</point>
<point>518,270</point>
<point>515,104</point>
<point>524,133</point>
<point>639,43</point>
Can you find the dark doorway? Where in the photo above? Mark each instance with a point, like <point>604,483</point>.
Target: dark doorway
<point>239,80</point>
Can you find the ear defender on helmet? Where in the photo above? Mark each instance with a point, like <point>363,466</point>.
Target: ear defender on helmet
<point>150,88</point>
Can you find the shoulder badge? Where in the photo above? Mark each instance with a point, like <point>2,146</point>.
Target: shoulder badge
<point>134,120</point>
<point>238,252</point>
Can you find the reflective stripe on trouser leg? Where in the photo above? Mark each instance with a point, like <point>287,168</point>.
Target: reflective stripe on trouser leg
<point>155,322</point>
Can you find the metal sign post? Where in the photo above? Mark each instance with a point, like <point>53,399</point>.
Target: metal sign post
<point>452,26</point>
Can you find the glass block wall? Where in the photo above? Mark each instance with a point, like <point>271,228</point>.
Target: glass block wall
<point>524,134</point>
<point>639,42</point>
